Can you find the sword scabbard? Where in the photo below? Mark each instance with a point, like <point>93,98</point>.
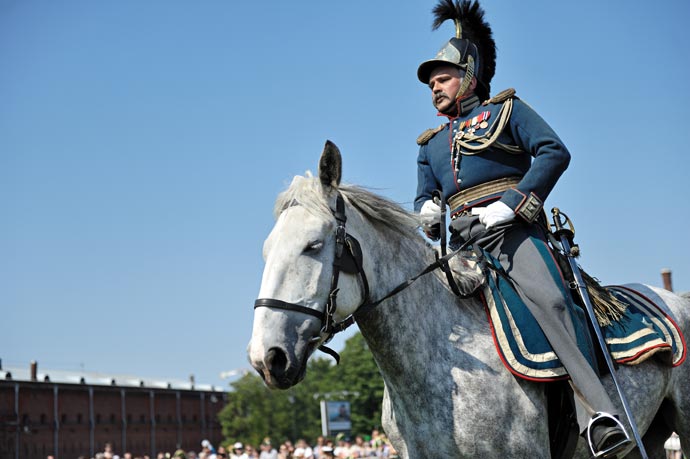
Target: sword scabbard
<point>565,231</point>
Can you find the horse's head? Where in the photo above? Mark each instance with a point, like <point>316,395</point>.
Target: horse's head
<point>305,260</point>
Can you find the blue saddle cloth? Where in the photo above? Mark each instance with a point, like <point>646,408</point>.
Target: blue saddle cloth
<point>647,328</point>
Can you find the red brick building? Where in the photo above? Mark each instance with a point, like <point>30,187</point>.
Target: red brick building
<point>70,415</point>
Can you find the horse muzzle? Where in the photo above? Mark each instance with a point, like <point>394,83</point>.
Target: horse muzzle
<point>281,369</point>
<point>281,345</point>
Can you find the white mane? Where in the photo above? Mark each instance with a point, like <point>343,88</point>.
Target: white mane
<point>383,214</point>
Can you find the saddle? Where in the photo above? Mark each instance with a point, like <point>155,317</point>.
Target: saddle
<point>641,327</point>
<point>635,321</point>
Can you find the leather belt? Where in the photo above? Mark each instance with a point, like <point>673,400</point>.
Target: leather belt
<point>465,197</point>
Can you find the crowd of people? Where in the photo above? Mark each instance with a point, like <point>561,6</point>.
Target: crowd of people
<point>340,447</point>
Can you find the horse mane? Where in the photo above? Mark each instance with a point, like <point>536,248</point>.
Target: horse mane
<point>381,212</point>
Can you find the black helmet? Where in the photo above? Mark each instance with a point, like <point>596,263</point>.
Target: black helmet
<point>472,49</point>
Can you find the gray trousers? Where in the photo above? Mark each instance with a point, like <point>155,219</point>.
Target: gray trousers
<point>517,246</point>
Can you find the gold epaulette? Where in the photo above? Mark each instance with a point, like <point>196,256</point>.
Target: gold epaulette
<point>500,97</point>
<point>427,135</point>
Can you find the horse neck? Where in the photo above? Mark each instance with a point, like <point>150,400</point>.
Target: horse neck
<point>426,312</point>
<point>390,257</point>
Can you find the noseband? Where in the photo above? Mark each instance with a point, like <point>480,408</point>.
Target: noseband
<point>348,259</point>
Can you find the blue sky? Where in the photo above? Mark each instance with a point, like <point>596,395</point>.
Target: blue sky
<point>142,144</point>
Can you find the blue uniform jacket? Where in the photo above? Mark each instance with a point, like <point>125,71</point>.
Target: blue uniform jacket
<point>543,160</point>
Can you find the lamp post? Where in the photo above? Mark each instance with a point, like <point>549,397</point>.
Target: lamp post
<point>292,401</point>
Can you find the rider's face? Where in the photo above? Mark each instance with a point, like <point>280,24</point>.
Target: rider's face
<point>444,83</point>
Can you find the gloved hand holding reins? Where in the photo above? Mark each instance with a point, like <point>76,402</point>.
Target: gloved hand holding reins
<point>494,214</point>
<point>430,213</point>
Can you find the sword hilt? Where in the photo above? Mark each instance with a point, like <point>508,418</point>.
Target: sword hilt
<point>563,228</point>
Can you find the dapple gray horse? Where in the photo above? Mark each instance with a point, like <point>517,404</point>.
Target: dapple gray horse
<point>447,394</point>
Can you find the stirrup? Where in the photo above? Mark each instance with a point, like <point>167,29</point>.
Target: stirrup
<point>613,450</point>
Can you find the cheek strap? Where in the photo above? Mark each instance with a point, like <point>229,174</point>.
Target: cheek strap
<point>467,79</point>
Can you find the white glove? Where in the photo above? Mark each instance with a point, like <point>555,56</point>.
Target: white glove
<point>430,214</point>
<point>494,214</point>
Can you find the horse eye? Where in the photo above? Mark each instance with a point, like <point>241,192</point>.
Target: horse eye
<point>314,246</point>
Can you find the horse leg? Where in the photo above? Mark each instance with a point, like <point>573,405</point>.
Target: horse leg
<point>671,415</point>
<point>390,426</point>
<point>678,405</point>
<point>654,438</point>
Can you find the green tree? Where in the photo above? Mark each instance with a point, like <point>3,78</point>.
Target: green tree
<point>359,376</point>
<point>253,411</point>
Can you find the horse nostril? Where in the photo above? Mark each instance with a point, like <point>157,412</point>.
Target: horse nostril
<point>276,360</point>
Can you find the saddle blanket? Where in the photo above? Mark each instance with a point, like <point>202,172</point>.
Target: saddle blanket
<point>647,328</point>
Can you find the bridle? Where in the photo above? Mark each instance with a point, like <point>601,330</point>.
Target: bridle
<point>348,259</point>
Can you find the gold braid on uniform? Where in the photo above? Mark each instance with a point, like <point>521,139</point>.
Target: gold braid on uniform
<point>486,140</point>
<point>500,97</point>
<point>427,135</point>
<point>469,144</point>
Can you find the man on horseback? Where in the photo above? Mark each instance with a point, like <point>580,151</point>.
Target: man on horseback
<point>495,162</point>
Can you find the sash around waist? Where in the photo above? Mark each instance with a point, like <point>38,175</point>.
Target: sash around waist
<point>470,197</point>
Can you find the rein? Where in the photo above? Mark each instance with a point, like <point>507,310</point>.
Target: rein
<point>348,258</point>
<point>440,263</point>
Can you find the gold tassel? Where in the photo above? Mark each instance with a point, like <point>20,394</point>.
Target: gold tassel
<point>607,308</point>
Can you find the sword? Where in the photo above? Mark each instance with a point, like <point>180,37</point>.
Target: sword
<point>572,251</point>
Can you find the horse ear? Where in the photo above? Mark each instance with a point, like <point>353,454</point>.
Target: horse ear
<point>330,165</point>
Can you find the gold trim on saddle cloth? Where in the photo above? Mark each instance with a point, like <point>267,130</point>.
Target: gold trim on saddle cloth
<point>485,189</point>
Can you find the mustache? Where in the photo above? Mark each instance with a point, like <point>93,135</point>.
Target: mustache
<point>440,95</point>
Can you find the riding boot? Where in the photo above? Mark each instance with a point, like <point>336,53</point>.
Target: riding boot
<point>607,437</point>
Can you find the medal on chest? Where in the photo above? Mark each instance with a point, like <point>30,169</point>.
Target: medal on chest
<point>474,123</point>
<point>465,132</point>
